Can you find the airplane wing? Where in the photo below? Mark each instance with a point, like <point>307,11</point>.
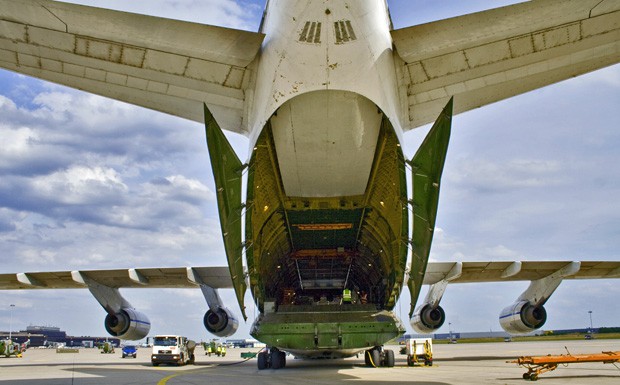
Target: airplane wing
<point>492,55</point>
<point>166,65</point>
<point>218,277</point>
<point>527,313</point>
<point>467,272</point>
<point>171,277</point>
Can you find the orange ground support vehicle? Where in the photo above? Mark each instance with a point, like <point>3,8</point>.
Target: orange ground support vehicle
<point>541,364</point>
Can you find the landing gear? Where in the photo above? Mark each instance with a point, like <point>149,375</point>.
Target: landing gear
<point>378,356</point>
<point>272,358</point>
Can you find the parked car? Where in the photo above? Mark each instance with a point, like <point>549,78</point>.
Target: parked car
<point>130,351</point>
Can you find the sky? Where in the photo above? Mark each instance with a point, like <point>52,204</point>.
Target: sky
<point>91,183</point>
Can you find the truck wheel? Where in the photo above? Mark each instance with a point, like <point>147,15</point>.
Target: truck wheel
<point>155,364</point>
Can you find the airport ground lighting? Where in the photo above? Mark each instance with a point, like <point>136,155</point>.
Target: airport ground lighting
<point>11,320</point>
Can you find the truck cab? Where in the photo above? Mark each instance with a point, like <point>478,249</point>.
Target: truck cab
<point>171,349</point>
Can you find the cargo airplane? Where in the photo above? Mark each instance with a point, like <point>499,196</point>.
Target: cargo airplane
<point>324,91</point>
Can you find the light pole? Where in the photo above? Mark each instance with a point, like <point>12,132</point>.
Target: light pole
<point>11,321</point>
<point>450,329</point>
<point>591,329</point>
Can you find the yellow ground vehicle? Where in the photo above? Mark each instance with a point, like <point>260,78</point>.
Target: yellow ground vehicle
<point>419,351</point>
<point>107,348</point>
<point>9,348</point>
<point>214,348</point>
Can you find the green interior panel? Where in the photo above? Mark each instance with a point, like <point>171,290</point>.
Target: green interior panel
<point>324,229</point>
<point>301,249</point>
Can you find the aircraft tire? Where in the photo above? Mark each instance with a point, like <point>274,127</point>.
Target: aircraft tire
<point>278,359</point>
<point>375,358</point>
<point>262,361</point>
<point>389,358</point>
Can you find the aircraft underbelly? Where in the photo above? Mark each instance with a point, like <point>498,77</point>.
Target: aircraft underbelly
<point>326,331</point>
<point>325,143</point>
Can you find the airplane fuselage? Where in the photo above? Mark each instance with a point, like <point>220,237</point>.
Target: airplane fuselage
<point>327,191</point>
<point>325,68</point>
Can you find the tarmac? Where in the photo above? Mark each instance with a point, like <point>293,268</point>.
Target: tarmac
<point>458,364</point>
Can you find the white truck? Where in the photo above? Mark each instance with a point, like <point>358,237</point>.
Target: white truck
<point>169,349</point>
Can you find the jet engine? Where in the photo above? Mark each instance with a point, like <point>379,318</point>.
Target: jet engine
<point>220,322</point>
<point>522,317</point>
<point>427,319</point>
<point>127,324</point>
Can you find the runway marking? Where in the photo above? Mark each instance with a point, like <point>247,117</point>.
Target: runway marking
<point>164,380</point>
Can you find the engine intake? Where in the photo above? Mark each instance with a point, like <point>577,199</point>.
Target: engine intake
<point>522,317</point>
<point>128,324</point>
<point>221,322</point>
<point>427,319</point>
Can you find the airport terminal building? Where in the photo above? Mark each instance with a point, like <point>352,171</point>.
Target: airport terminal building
<point>53,336</point>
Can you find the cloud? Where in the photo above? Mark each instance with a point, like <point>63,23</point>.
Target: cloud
<point>180,188</point>
<point>86,182</point>
<point>6,221</point>
<point>243,14</point>
<point>477,174</point>
<point>81,185</point>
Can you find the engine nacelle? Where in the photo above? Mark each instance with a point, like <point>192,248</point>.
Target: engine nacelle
<point>221,322</point>
<point>427,319</point>
<point>522,317</point>
<point>128,324</point>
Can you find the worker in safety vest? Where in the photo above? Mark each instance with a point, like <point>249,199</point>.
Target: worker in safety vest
<point>346,296</point>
